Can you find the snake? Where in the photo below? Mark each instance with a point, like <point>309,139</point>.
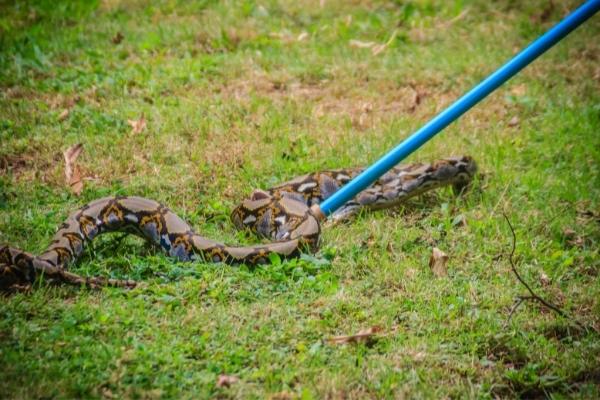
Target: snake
<point>286,214</point>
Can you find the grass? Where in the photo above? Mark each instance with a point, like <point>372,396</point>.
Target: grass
<point>245,94</point>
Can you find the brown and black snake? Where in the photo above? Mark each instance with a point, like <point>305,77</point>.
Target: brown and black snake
<point>282,213</point>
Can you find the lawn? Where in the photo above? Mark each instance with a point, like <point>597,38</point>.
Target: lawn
<point>236,95</point>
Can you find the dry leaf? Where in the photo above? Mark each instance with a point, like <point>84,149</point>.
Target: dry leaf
<point>106,392</point>
<point>390,247</point>
<point>226,380</point>
<point>118,38</point>
<point>362,336</point>
<point>137,125</point>
<point>514,121</point>
<point>415,101</point>
<point>369,241</point>
<point>363,118</point>
<point>302,36</point>
<point>63,115</point>
<point>367,107</point>
<point>76,181</point>
<point>544,279</point>
<point>437,262</point>
<point>459,220</point>
<point>72,172</point>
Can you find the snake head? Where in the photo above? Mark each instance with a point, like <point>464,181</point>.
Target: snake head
<point>275,217</point>
<point>248,212</point>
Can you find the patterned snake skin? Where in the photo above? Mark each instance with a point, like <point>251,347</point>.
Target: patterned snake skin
<point>281,214</point>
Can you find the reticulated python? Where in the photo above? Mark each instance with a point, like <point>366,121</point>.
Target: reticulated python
<point>281,214</point>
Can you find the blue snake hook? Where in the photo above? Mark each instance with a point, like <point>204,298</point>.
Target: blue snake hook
<point>458,108</point>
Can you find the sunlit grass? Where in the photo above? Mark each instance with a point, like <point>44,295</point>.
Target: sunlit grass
<point>245,94</point>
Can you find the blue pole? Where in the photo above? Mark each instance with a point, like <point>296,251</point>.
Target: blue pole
<point>462,105</point>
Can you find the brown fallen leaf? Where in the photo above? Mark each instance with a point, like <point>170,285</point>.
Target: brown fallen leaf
<point>369,241</point>
<point>63,115</point>
<point>137,125</point>
<point>459,221</point>
<point>302,36</point>
<point>107,393</point>
<point>415,99</point>
<point>226,380</point>
<point>365,111</point>
<point>544,279</point>
<point>362,336</point>
<point>514,121</point>
<point>118,38</point>
<point>390,247</point>
<point>73,176</point>
<point>437,262</point>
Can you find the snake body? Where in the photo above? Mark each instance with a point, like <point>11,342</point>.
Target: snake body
<point>281,213</point>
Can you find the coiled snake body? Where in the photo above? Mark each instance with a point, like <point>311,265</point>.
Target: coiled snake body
<point>281,213</point>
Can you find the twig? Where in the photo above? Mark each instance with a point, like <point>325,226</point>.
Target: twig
<point>514,307</point>
<point>532,296</point>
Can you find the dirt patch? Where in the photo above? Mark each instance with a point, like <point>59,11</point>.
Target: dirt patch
<point>361,102</point>
<point>367,103</point>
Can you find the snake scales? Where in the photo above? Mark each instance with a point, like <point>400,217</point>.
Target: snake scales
<point>281,214</point>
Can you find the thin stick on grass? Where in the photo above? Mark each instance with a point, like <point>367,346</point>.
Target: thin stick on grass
<point>533,295</point>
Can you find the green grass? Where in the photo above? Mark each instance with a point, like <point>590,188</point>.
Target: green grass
<point>233,101</point>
